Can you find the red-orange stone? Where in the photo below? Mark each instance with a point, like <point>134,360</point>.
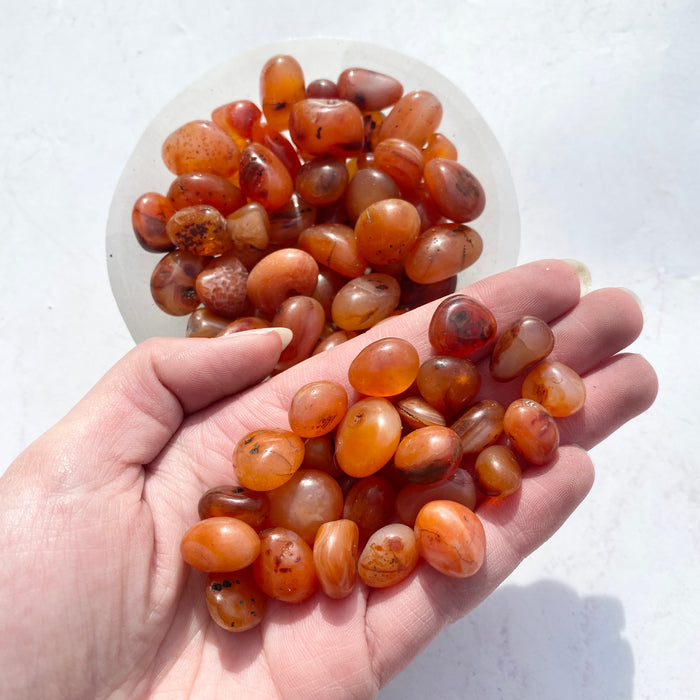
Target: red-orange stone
<point>249,506</point>
<point>442,251</point>
<point>265,459</point>
<point>148,218</point>
<point>460,326</point>
<point>235,601</point>
<point>201,146</point>
<point>199,229</point>
<point>285,568</point>
<point>205,188</point>
<point>220,544</point>
<point>221,286</point>
<point>522,345</point>
<point>412,497</point>
<point>480,425</point>
<point>386,367</point>
<point>365,300</point>
<point>367,437</point>
<point>370,504</point>
<point>413,118</point>
<point>451,538</point>
<point>282,84</point>
<point>317,408</point>
<point>173,282</point>
<point>368,89</point>
<point>264,178</point>
<point>327,127</point>
<point>448,383</point>
<point>386,231</point>
<point>429,454</point>
<point>281,274</point>
<point>335,557</point>
<point>497,471</point>
<point>309,499</point>
<point>531,430</point>
<point>456,191</point>
<point>389,556</point>
<point>555,386</point>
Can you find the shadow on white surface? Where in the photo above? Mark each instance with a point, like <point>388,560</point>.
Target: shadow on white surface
<point>538,642</point>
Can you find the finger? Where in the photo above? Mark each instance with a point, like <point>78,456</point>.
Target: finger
<point>547,289</point>
<point>129,416</point>
<point>619,390</point>
<point>403,620</point>
<point>602,324</point>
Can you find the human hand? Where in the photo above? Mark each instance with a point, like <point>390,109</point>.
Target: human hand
<point>95,599</point>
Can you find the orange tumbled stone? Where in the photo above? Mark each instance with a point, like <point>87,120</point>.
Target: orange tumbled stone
<point>265,459</point>
<point>451,538</point>
<point>386,367</point>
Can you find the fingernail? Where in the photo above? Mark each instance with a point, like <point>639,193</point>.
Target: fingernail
<point>583,273</point>
<point>636,297</point>
<point>285,334</point>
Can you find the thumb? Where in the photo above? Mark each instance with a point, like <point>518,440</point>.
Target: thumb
<point>134,410</point>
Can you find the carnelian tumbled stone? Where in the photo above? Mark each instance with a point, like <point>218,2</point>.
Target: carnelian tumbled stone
<point>448,383</point>
<point>220,544</point>
<point>203,323</point>
<point>369,503</point>
<point>327,127</point>
<point>309,499</point>
<point>386,230</point>
<point>317,408</point>
<point>282,84</point>
<point>442,251</point>
<point>364,301</point>
<point>201,146</point>
<point>497,471</point>
<point>205,188</point>
<point>369,185</point>
<point>281,274</point>
<point>531,430</point>
<point>221,286</point>
<point>555,386</point>
<point>304,316</point>
<point>148,218</point>
<point>173,282</point>
<point>249,506</point>
<point>402,161</point>
<point>451,538</point>
<point>412,497</point>
<point>413,118</point>
<point>369,90</point>
<point>386,367</point>
<point>264,178</point>
<point>456,191</point>
<point>428,454</point>
<point>367,437</point>
<point>389,556</point>
<point>460,326</point>
<point>522,345</point>
<point>265,459</point>
<point>480,425</point>
<point>285,568</point>
<point>416,412</point>
<point>199,229</point>
<point>335,557</point>
<point>334,245</point>
<point>235,601</point>
<point>322,180</point>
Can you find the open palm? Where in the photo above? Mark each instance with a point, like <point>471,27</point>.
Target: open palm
<point>94,596</point>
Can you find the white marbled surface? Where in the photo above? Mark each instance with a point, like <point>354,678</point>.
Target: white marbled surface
<point>596,105</point>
